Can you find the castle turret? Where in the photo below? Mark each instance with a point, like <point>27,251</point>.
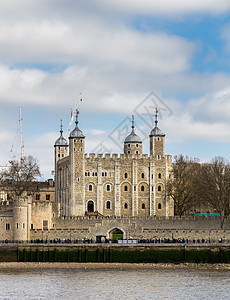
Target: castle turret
<point>133,143</point>
<point>60,148</point>
<point>157,140</point>
<point>77,179</point>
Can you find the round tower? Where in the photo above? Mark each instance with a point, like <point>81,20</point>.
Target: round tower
<point>77,167</point>
<point>157,140</point>
<point>133,143</point>
<point>21,219</point>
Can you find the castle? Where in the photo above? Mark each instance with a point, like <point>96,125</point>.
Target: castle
<point>133,184</point>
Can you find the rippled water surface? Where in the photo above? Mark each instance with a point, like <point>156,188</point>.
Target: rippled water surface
<point>157,283</point>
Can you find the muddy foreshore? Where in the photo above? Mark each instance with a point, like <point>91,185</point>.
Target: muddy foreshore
<point>120,266</point>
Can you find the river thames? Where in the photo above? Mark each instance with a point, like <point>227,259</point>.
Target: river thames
<point>92,281</point>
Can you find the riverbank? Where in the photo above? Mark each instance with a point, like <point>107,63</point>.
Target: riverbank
<point>120,266</point>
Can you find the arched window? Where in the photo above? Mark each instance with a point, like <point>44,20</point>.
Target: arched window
<point>159,188</point>
<point>125,188</point>
<point>88,174</point>
<point>108,204</point>
<point>90,206</point>
<point>108,187</point>
<point>143,206</point>
<point>142,188</point>
<point>136,152</point>
<point>126,175</point>
<point>90,187</point>
<point>126,205</point>
<point>159,206</point>
<point>142,175</point>
<point>159,175</point>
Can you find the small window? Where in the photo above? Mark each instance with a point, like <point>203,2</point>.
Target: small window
<point>126,175</point>
<point>129,145</point>
<point>142,188</point>
<point>78,179</point>
<point>62,155</point>
<point>137,145</point>
<point>81,141</point>
<point>128,152</point>
<point>90,187</point>
<point>158,139</point>
<point>142,175</point>
<point>158,157</point>
<point>86,173</point>
<point>143,206</point>
<point>125,188</point>
<point>48,197</point>
<point>152,188</point>
<point>58,155</point>
<point>105,174</point>
<point>37,197</point>
<point>32,226</point>
<point>17,225</point>
<point>108,187</point>
<point>137,152</point>
<point>159,175</point>
<point>95,173</point>
<point>102,174</point>
<point>23,225</point>
<point>126,206</point>
<point>134,188</point>
<point>159,206</point>
<point>159,188</point>
<point>108,205</point>
<point>7,226</point>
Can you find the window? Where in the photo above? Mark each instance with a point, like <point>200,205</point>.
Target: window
<point>108,187</point>
<point>17,225</point>
<point>58,155</point>
<point>134,188</point>
<point>143,206</point>
<point>128,152</point>
<point>142,175</point>
<point>7,226</point>
<point>129,145</point>
<point>37,197</point>
<point>126,175</point>
<point>125,188</point>
<point>159,206</point>
<point>103,174</point>
<point>126,206</point>
<point>47,197</point>
<point>108,205</point>
<point>158,157</point>
<point>23,225</point>
<point>95,173</point>
<point>158,139</point>
<point>152,188</point>
<point>86,173</point>
<point>159,188</point>
<point>137,152</point>
<point>159,175</point>
<point>32,226</point>
<point>142,188</point>
<point>78,179</point>
<point>90,187</point>
<point>137,145</point>
<point>62,155</point>
<point>45,224</point>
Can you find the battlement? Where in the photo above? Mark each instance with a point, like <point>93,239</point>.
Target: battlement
<point>114,156</point>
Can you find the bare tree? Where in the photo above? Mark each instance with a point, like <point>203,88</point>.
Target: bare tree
<point>181,185</point>
<point>19,176</point>
<point>213,186</point>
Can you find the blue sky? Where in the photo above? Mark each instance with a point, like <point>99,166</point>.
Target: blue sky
<point>115,53</point>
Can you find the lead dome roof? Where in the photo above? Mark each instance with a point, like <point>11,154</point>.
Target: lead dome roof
<point>133,137</point>
<point>76,133</point>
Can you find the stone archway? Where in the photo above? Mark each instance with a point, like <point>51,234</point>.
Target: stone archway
<point>90,206</point>
<point>116,234</point>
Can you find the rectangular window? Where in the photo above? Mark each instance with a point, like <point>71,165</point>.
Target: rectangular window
<point>37,197</point>
<point>32,226</point>
<point>7,226</point>
<point>47,197</point>
<point>45,224</point>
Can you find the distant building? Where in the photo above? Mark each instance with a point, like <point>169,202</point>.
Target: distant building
<point>133,184</point>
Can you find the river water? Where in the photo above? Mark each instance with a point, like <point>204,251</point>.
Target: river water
<point>114,283</point>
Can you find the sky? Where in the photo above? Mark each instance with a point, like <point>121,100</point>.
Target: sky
<point>121,58</point>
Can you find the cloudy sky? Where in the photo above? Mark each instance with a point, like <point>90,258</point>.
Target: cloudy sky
<point>121,57</point>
